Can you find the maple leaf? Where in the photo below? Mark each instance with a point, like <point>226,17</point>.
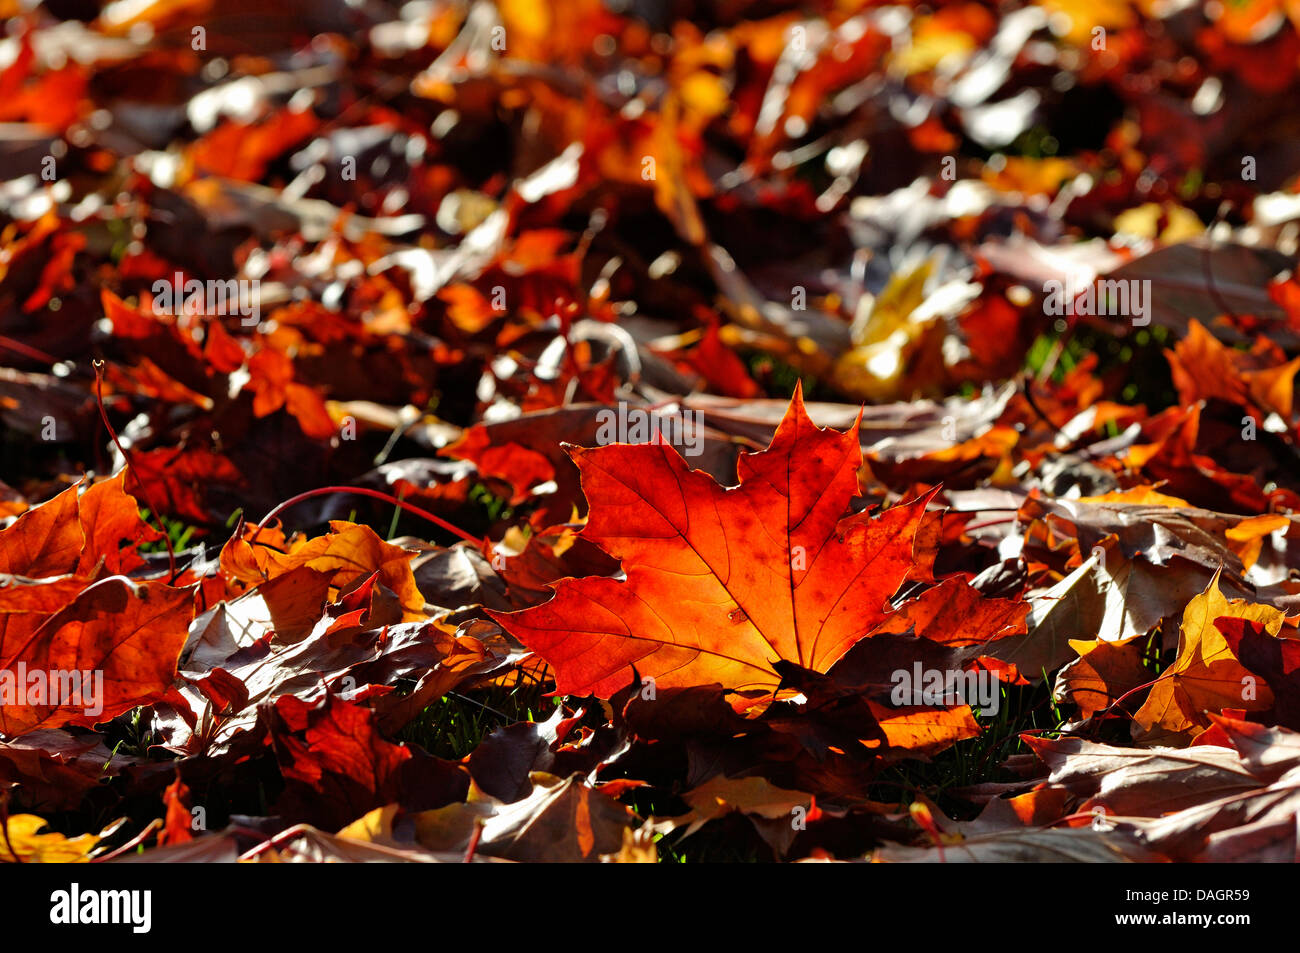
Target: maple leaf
<point>283,639</point>
<point>1101,674</point>
<point>924,731</point>
<point>1205,676</point>
<point>1276,660</point>
<point>73,532</point>
<point>176,477</point>
<point>721,367</point>
<point>1260,382</point>
<point>953,613</point>
<point>348,554</point>
<point>243,150</point>
<point>1247,538</point>
<point>721,583</point>
<point>337,765</point>
<point>111,647</point>
<point>274,387</point>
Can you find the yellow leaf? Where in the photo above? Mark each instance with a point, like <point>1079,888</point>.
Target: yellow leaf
<point>890,311</point>
<point>23,838</point>
<point>1077,18</point>
<point>885,340</point>
<point>932,43</point>
<point>1246,539</point>
<point>1141,495</point>
<point>375,827</point>
<point>1205,676</point>
<point>1144,222</point>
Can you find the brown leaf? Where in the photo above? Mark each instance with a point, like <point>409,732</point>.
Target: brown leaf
<point>113,647</point>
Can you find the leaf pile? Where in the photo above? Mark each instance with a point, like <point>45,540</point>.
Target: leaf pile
<point>575,431</point>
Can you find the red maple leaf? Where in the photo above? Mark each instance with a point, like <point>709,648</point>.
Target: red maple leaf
<point>721,583</point>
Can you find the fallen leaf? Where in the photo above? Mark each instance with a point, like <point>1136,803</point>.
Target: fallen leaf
<point>808,584</point>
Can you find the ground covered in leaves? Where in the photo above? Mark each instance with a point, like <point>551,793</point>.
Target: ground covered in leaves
<point>559,430</point>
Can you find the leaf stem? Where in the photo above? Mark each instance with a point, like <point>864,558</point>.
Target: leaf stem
<point>153,509</point>
<point>363,491</point>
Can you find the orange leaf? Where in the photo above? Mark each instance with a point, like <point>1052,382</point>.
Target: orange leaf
<point>70,534</point>
<point>924,731</point>
<point>1103,672</point>
<point>178,822</point>
<point>953,613</point>
<point>1260,381</point>
<point>721,583</point>
<point>1246,539</point>
<point>113,647</point>
<point>348,554</point>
